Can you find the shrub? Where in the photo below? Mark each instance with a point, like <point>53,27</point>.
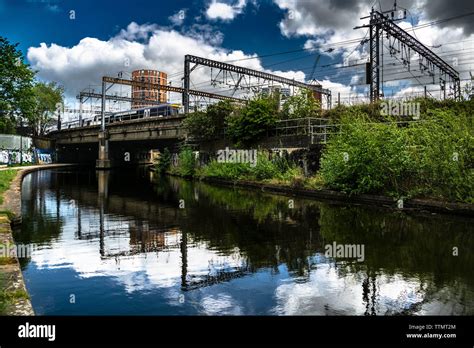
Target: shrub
<point>252,121</point>
<point>429,158</point>
<point>187,162</point>
<point>210,124</point>
<point>164,161</point>
<point>265,169</point>
<point>199,125</point>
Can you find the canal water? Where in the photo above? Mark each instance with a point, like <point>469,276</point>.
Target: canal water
<point>105,243</point>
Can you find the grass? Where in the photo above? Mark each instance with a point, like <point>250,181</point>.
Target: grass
<point>6,177</point>
<point>7,297</point>
<point>9,214</point>
<point>5,260</point>
<point>12,295</point>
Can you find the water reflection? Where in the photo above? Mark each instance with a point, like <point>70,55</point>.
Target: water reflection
<point>122,245</point>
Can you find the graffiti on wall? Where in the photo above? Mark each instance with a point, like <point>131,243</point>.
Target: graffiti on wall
<point>15,157</point>
<point>44,158</point>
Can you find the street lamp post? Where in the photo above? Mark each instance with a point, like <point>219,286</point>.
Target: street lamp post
<point>21,141</point>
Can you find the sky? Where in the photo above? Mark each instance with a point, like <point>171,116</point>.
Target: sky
<point>76,42</point>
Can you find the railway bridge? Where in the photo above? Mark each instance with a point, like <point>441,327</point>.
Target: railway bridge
<point>129,142</point>
<point>122,143</point>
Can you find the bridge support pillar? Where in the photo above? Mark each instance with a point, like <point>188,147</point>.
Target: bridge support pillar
<point>103,162</point>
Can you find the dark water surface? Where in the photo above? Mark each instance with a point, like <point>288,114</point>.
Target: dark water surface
<point>129,243</point>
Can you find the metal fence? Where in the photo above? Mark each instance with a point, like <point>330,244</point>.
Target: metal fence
<point>320,130</point>
<point>15,142</point>
<point>15,149</point>
<point>317,129</point>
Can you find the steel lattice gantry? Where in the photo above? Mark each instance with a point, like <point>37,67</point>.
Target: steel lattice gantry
<point>111,97</point>
<point>241,72</point>
<point>379,24</point>
<point>144,84</point>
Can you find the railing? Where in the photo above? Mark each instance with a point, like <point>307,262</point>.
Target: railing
<point>317,129</point>
<point>96,121</point>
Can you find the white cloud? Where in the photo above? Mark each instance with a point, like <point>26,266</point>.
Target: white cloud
<point>205,32</point>
<point>138,47</point>
<point>348,94</point>
<point>326,24</point>
<point>220,10</point>
<point>178,18</point>
<point>224,11</point>
<point>135,31</point>
<point>320,18</point>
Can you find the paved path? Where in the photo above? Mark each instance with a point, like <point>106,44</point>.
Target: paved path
<point>35,166</point>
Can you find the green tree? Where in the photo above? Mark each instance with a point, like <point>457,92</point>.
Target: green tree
<point>210,124</point>
<point>16,86</point>
<point>301,105</point>
<point>218,113</point>
<point>253,121</point>
<point>199,126</point>
<point>47,98</point>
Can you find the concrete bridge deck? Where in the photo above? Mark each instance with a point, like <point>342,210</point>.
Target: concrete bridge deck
<point>144,129</point>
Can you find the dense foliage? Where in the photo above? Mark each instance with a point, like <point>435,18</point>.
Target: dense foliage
<point>265,168</point>
<point>210,124</point>
<point>252,121</point>
<point>434,157</point>
<point>247,124</point>
<point>372,152</point>
<point>48,98</point>
<point>186,165</point>
<point>164,161</point>
<point>16,86</point>
<point>21,98</point>
<point>301,105</point>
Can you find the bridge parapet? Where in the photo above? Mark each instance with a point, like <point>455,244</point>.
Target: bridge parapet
<point>131,130</point>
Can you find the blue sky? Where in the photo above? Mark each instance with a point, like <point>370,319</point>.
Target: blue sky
<point>31,22</point>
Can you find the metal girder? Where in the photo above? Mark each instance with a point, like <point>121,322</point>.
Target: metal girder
<point>186,82</point>
<point>374,68</point>
<point>380,22</point>
<point>251,72</point>
<point>113,97</point>
<point>169,88</point>
<point>237,84</point>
